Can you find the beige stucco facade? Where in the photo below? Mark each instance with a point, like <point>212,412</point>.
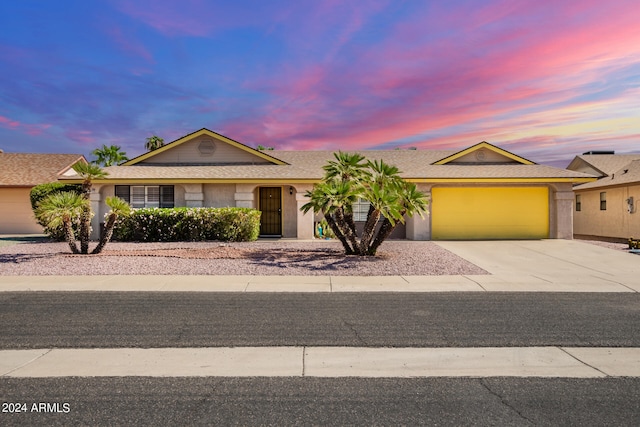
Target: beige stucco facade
<point>617,221</point>
<point>206,169</point>
<point>295,223</point>
<point>16,215</point>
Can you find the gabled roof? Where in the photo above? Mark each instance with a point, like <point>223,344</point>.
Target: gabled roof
<point>193,135</point>
<point>30,169</point>
<point>306,166</point>
<point>601,164</point>
<point>480,155</point>
<point>628,174</point>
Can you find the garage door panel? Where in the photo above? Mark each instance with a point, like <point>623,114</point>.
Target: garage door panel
<point>490,213</point>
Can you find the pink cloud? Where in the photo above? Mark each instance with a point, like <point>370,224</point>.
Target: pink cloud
<point>485,73</point>
<point>81,135</point>
<point>33,129</point>
<point>8,123</point>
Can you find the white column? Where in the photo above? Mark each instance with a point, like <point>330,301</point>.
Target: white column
<point>244,196</point>
<point>304,221</point>
<point>420,228</point>
<point>98,214</point>
<point>564,214</point>
<point>193,195</point>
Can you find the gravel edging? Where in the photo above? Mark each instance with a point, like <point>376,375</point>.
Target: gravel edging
<point>270,258</point>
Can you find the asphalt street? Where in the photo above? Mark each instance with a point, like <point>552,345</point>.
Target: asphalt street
<point>314,401</point>
<point>109,319</point>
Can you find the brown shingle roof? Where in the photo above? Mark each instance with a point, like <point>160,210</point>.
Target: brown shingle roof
<point>629,173</point>
<point>608,163</point>
<point>307,165</point>
<point>27,170</point>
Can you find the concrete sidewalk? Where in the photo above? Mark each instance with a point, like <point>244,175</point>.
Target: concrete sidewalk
<point>513,282</point>
<point>324,362</point>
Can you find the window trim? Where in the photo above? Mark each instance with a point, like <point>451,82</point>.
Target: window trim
<point>603,201</point>
<point>165,193</point>
<point>359,213</point>
<point>578,202</point>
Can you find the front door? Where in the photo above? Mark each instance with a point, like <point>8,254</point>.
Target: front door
<point>271,208</point>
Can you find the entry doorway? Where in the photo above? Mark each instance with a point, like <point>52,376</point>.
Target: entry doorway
<point>271,208</point>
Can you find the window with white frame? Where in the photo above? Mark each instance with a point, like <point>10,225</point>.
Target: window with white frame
<point>146,196</point>
<point>360,210</point>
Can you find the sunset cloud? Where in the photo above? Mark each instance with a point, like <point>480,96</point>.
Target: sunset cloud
<point>542,81</point>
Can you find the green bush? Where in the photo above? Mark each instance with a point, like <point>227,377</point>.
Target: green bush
<point>189,224</point>
<point>40,192</point>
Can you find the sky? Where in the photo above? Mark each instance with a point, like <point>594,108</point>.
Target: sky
<point>546,80</point>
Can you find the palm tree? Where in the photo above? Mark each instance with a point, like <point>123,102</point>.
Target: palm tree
<point>411,202</point>
<point>88,172</point>
<point>108,156</point>
<point>153,143</point>
<point>330,198</point>
<point>63,209</point>
<point>348,178</point>
<point>118,208</point>
<point>382,194</point>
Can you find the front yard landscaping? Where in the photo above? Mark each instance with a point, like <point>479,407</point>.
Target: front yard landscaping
<point>264,257</point>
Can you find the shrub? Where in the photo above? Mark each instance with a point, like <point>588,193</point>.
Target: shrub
<point>42,191</point>
<point>189,224</point>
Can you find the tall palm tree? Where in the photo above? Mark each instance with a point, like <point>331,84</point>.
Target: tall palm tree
<point>118,208</point>
<point>63,209</point>
<point>153,143</point>
<point>108,156</point>
<point>88,172</point>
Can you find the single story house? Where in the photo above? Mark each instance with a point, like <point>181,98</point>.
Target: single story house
<point>19,173</point>
<point>608,207</point>
<point>482,192</point>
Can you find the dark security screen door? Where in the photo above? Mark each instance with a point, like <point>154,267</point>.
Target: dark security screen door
<point>270,205</point>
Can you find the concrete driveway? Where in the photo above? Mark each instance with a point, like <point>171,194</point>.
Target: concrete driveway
<point>536,264</point>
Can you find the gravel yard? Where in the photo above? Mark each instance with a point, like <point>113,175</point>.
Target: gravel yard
<point>263,257</point>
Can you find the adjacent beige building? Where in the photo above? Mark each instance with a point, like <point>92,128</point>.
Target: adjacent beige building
<point>607,208</point>
<point>482,192</point>
<point>19,173</point>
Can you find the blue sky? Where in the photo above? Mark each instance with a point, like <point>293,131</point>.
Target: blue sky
<point>546,80</point>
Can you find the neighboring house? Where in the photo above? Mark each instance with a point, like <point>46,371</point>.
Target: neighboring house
<point>482,192</point>
<point>19,173</point>
<point>608,207</point>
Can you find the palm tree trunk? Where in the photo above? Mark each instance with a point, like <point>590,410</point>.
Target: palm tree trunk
<point>369,230</point>
<point>106,235</point>
<point>85,218</point>
<point>348,219</point>
<point>85,224</point>
<point>68,235</point>
<point>385,231</point>
<point>347,230</point>
<point>336,230</point>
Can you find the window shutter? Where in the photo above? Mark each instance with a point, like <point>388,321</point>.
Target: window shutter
<point>137,196</point>
<point>153,197</point>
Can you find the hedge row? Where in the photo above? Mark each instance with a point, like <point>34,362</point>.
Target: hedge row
<point>189,224</point>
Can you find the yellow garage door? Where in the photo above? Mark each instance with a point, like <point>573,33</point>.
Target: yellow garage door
<point>468,213</point>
